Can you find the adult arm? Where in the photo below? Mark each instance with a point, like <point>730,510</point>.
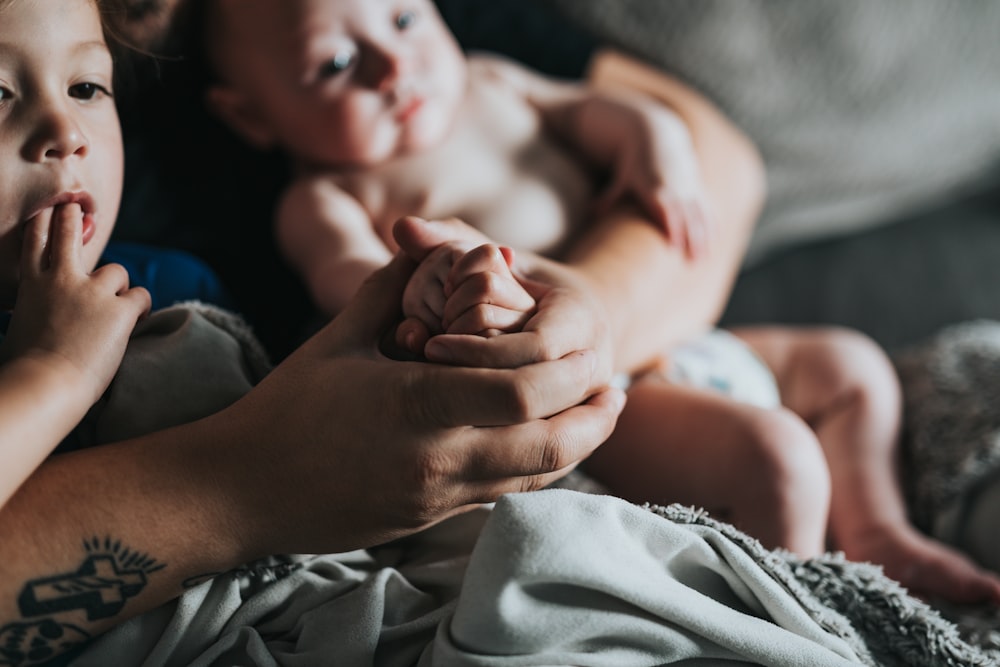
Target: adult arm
<point>630,293</point>
<point>379,448</point>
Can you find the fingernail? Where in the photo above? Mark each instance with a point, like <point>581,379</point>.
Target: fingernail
<point>438,352</point>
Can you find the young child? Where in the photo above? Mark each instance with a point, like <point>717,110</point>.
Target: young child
<point>383,117</point>
<point>64,324</point>
<point>60,181</point>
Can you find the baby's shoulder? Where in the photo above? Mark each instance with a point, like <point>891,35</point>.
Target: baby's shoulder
<point>316,195</point>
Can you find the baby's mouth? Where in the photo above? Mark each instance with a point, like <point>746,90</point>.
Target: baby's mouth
<point>409,108</point>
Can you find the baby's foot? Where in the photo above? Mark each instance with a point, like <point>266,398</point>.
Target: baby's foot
<point>925,567</point>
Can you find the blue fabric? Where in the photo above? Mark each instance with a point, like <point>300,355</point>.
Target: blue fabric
<point>169,275</point>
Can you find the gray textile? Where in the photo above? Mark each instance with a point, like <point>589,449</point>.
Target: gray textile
<point>951,389</point>
<point>863,111</point>
<point>182,363</point>
<point>554,577</point>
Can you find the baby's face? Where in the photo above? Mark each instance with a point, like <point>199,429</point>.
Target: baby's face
<point>60,141</point>
<point>340,83</point>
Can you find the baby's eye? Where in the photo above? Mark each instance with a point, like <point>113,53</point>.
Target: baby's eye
<point>88,91</point>
<point>405,19</point>
<point>340,62</point>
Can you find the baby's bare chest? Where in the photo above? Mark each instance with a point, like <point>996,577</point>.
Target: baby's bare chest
<point>500,170</point>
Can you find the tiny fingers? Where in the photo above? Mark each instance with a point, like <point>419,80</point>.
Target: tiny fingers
<point>488,320</point>
<point>486,258</point>
<point>492,296</point>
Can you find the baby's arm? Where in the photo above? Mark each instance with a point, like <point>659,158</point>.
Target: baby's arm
<point>66,339</point>
<point>329,238</point>
<point>644,145</point>
<point>456,290</point>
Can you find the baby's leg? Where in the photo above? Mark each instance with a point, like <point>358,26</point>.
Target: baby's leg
<point>844,386</point>
<point>759,469</point>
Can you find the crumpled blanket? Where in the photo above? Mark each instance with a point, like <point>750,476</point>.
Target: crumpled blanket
<point>554,577</point>
<point>153,387</point>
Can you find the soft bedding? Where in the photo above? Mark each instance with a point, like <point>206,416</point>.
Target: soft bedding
<point>568,576</point>
<point>554,577</point>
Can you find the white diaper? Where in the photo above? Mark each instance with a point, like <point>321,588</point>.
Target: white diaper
<point>721,362</point>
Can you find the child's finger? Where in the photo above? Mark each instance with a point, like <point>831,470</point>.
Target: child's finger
<point>113,277</point>
<point>489,289</point>
<point>411,335</point>
<point>140,298</point>
<point>675,224</point>
<point>488,320</point>
<point>36,239</point>
<point>66,236</point>
<point>699,232</point>
<point>486,258</point>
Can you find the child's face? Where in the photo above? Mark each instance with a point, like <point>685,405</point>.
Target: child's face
<point>60,139</point>
<point>343,83</point>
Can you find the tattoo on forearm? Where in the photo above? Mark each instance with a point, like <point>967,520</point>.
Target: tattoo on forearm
<point>99,587</point>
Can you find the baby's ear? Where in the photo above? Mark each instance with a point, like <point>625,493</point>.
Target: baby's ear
<point>236,111</point>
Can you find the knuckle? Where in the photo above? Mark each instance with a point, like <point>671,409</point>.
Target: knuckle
<point>518,400</point>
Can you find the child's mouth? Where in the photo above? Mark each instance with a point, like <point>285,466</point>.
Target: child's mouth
<point>89,228</point>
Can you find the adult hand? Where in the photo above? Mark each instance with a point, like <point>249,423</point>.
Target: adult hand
<point>355,449</point>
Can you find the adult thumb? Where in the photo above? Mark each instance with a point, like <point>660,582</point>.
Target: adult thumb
<point>378,303</point>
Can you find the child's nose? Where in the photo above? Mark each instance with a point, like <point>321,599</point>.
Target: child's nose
<point>58,136</point>
<point>387,66</point>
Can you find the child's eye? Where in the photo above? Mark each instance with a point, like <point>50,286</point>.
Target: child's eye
<point>88,91</point>
<point>405,19</point>
<point>340,62</point>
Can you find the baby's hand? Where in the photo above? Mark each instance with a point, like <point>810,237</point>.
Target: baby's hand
<point>657,164</point>
<point>483,296</point>
<point>460,291</point>
<point>75,322</point>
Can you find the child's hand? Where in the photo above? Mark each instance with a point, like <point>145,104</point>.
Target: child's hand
<point>75,322</point>
<point>656,163</point>
<point>424,297</point>
<point>483,296</point>
<point>460,291</point>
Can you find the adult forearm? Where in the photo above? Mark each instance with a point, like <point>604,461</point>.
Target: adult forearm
<point>98,536</point>
<point>653,293</point>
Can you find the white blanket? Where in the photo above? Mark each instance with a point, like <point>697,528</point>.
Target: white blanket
<point>555,577</point>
